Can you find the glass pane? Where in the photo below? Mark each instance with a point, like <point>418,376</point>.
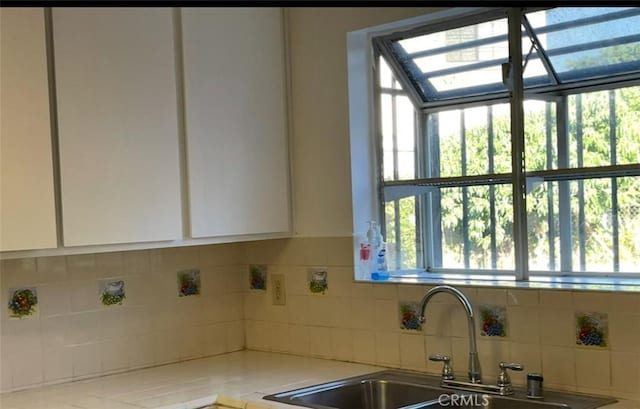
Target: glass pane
<point>405,127</point>
<point>386,77</point>
<point>586,42</point>
<point>490,76</point>
<point>406,165</point>
<point>542,228</point>
<point>397,123</point>
<point>452,237</point>
<point>387,125</point>
<point>627,107</point>
<point>594,225</point>
<point>388,165</point>
<point>629,223</point>
<point>457,59</point>
<point>487,149</point>
<point>502,138</point>
<point>535,73</point>
<point>449,137</point>
<point>477,148</point>
<point>469,239</point>
<point>604,128</point>
<point>401,238</point>
<point>391,215</point>
<point>589,129</point>
<point>540,134</point>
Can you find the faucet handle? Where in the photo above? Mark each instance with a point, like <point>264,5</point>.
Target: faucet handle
<point>503,377</point>
<point>514,366</point>
<point>447,371</point>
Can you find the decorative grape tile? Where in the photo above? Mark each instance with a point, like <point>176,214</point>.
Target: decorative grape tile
<point>592,329</point>
<point>23,303</point>
<point>409,316</point>
<point>188,282</point>
<point>257,277</point>
<point>493,321</point>
<point>111,292</point>
<point>318,282</point>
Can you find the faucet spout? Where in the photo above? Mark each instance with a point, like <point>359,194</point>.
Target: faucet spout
<point>475,375</point>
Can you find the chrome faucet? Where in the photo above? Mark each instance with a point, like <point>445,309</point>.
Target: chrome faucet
<point>503,386</point>
<point>475,375</point>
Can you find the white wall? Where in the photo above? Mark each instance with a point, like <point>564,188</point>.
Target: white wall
<point>320,132</point>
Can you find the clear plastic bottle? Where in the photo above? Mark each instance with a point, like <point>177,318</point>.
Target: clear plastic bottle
<point>381,272</point>
<point>373,235</point>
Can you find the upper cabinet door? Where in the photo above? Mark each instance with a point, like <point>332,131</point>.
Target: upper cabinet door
<point>118,127</point>
<point>27,209</point>
<point>235,114</point>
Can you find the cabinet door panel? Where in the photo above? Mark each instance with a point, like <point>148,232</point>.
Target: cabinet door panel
<point>27,209</point>
<point>235,121</point>
<point>118,129</point>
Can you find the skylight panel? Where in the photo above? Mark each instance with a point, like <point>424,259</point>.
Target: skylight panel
<point>589,42</point>
<point>559,45</point>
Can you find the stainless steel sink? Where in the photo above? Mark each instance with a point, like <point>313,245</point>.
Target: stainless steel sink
<point>381,390</point>
<point>408,390</point>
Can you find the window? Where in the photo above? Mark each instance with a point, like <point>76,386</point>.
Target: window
<point>454,149</point>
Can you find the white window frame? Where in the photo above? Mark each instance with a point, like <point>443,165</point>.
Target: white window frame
<point>366,197</point>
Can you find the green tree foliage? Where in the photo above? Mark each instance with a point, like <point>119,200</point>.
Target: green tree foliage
<point>540,125</point>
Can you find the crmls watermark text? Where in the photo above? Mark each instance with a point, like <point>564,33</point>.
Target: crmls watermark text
<point>453,400</point>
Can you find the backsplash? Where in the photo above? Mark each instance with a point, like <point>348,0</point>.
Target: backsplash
<point>102,313</point>
<point>175,304</point>
<point>580,340</point>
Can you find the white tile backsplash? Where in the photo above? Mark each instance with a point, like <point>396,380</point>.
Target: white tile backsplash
<point>412,352</point>
<point>540,323</point>
<point>75,337</point>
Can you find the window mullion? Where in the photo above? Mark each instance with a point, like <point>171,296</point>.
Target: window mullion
<point>418,200</point>
<point>581,216</point>
<point>394,132</point>
<point>397,232</point>
<point>465,198</point>
<point>550,214</point>
<point>433,241</point>
<point>517,146</point>
<point>564,191</point>
<point>614,181</point>
<point>492,190</point>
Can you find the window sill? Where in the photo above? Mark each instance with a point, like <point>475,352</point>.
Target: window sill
<point>505,281</point>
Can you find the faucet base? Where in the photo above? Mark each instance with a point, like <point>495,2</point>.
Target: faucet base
<point>477,387</point>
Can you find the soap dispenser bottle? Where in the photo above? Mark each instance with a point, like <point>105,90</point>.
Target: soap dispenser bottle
<point>381,272</point>
<point>379,265</point>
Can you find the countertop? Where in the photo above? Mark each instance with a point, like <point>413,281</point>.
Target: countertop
<point>238,379</point>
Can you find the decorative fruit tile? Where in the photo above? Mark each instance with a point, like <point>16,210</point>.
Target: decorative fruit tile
<point>318,281</point>
<point>111,292</point>
<point>592,329</point>
<point>257,277</point>
<point>409,316</point>
<point>188,282</point>
<point>23,303</point>
<point>493,321</point>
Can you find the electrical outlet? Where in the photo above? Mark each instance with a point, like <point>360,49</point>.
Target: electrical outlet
<point>278,292</point>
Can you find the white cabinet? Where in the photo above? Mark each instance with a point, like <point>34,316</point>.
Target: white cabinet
<point>27,209</point>
<point>118,127</point>
<point>235,116</point>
